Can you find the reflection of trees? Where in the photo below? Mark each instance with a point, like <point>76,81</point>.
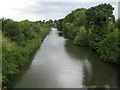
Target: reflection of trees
<point>96,72</point>
<point>102,73</point>
<point>118,76</point>
<point>60,33</point>
<point>76,51</point>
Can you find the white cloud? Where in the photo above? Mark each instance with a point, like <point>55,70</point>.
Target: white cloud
<point>44,9</point>
<point>78,0</point>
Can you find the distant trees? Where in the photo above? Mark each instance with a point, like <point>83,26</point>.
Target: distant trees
<point>71,23</point>
<point>52,23</point>
<point>94,27</point>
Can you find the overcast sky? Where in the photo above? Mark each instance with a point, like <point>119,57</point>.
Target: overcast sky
<point>34,10</point>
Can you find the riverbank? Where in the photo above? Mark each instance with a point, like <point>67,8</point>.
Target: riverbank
<point>100,32</point>
<point>20,41</point>
<point>59,63</point>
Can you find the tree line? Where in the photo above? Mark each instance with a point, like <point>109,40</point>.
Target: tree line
<point>96,28</point>
<point>20,40</point>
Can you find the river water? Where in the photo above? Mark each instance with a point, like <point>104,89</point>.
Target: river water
<point>61,64</point>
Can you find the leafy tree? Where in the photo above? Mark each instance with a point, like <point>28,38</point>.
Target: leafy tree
<point>118,23</point>
<point>12,30</point>
<point>108,47</point>
<point>27,30</point>
<point>99,15</point>
<point>82,38</point>
<point>80,17</point>
<point>94,27</point>
<point>98,18</point>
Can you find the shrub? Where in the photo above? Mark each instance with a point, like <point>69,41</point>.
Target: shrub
<point>82,37</point>
<point>19,40</point>
<point>108,47</point>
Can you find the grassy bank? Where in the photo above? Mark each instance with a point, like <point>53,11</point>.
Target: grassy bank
<point>19,40</point>
<point>96,28</point>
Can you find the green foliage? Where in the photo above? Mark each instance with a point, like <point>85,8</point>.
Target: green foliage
<point>69,30</point>
<point>118,23</point>
<point>52,23</point>
<point>20,40</point>
<point>76,17</point>
<point>80,18</point>
<point>82,38</point>
<point>94,27</point>
<point>60,24</point>
<point>12,30</point>
<point>99,17</point>
<point>27,30</point>
<point>108,47</point>
<point>71,23</point>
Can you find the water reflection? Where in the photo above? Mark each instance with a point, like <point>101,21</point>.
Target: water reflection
<point>61,64</point>
<point>97,73</point>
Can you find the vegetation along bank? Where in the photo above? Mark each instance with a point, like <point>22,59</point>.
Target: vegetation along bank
<point>96,28</point>
<point>19,41</point>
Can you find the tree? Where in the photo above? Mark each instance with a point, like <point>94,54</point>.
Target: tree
<point>12,30</point>
<point>98,18</point>
<point>80,17</point>
<point>108,47</point>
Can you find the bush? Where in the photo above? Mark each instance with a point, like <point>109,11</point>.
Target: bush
<point>12,30</point>
<point>82,38</point>
<point>19,40</point>
<point>94,27</point>
<point>108,47</point>
<point>69,30</point>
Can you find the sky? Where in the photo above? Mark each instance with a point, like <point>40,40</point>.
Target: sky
<point>35,10</point>
<point>119,10</point>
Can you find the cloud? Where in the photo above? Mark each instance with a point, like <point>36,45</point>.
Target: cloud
<point>78,0</point>
<point>44,10</point>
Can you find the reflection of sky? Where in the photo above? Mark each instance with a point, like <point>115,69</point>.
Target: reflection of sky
<point>37,10</point>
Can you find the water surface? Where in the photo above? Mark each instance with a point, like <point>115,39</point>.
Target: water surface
<point>61,64</point>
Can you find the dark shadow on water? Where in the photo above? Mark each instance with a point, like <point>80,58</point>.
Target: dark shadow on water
<point>97,73</point>
<point>119,76</point>
<point>60,33</point>
<point>76,51</point>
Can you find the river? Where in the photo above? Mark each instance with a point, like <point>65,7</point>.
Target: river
<point>61,64</point>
